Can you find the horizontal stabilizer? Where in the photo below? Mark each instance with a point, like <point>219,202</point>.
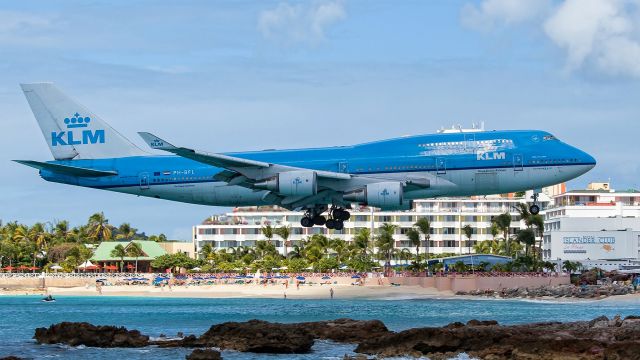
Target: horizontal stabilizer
<point>66,169</point>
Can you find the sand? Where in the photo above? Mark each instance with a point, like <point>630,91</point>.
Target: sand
<point>247,291</point>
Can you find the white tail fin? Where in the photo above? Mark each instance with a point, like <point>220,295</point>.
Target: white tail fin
<point>71,130</point>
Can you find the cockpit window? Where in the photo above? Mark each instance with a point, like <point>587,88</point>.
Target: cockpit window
<point>549,138</point>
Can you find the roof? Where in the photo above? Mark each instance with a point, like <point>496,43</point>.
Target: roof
<point>472,259</point>
<point>151,250</point>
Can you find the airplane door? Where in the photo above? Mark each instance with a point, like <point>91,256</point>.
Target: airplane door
<point>441,166</point>
<point>343,167</point>
<point>518,162</point>
<point>144,181</point>
<point>469,141</point>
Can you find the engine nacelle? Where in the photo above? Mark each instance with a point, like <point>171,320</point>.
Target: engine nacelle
<point>384,195</point>
<point>292,183</point>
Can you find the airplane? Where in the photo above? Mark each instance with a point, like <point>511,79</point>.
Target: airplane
<point>386,174</point>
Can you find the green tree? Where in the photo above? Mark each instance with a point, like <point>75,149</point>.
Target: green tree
<point>284,232</point>
<point>414,238</point>
<point>503,223</point>
<point>385,241</point>
<point>134,250</point>
<point>126,232</point>
<point>538,223</point>
<point>361,240</point>
<point>424,225</point>
<point>526,237</point>
<point>267,231</point>
<point>468,232</point>
<point>119,252</point>
<point>100,228</point>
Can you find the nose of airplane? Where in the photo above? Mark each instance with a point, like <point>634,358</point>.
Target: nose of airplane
<point>586,162</point>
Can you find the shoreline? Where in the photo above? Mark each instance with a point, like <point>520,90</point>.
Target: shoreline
<point>316,292</point>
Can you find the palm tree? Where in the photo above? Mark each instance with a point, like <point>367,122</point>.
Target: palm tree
<point>267,231</point>
<point>424,225</point>
<point>385,241</point>
<point>126,232</point>
<point>538,222</point>
<point>119,252</point>
<point>284,232</point>
<point>361,240</point>
<point>503,223</point>
<point>468,233</point>
<point>414,238</point>
<point>61,230</point>
<point>100,228</point>
<point>526,237</point>
<point>135,250</point>
<point>206,251</point>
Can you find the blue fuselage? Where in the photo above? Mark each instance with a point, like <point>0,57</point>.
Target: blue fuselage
<point>470,163</point>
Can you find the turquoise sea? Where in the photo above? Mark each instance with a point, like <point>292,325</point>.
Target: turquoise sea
<point>20,315</point>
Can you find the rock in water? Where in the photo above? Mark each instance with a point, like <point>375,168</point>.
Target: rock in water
<point>345,330</point>
<point>259,337</point>
<point>74,334</point>
<point>204,354</point>
<point>265,337</point>
<point>598,339</point>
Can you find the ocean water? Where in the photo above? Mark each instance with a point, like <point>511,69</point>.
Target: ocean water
<point>20,315</point>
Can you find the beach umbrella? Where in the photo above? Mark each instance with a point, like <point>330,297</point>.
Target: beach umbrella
<point>34,268</point>
<point>310,268</point>
<point>23,267</point>
<point>343,267</point>
<point>355,276</point>
<point>301,278</point>
<point>55,268</point>
<point>326,277</point>
<point>196,269</point>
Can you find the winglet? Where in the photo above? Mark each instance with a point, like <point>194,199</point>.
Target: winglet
<point>155,142</point>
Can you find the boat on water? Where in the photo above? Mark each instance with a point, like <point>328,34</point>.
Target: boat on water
<point>48,298</point>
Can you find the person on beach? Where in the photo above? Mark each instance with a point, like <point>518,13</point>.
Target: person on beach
<point>331,292</point>
<point>99,287</point>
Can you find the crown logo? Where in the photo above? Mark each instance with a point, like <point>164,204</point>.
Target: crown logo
<point>77,121</point>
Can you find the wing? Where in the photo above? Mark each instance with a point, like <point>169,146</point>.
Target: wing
<point>252,169</point>
<point>294,187</point>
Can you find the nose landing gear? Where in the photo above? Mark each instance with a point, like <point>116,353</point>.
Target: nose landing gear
<point>534,209</point>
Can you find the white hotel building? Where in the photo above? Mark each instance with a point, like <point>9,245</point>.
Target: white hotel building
<point>448,216</point>
<point>598,227</point>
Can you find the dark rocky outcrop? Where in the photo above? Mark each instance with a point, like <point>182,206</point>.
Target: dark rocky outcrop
<point>74,334</point>
<point>258,336</point>
<point>600,338</point>
<point>11,357</point>
<point>204,354</point>
<point>560,291</point>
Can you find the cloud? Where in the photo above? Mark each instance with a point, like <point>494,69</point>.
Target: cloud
<point>595,34</point>
<point>21,28</point>
<point>493,12</point>
<point>296,24</point>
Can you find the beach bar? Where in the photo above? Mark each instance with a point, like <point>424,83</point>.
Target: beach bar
<point>108,263</point>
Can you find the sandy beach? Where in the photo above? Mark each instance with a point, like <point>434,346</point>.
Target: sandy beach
<point>245,291</point>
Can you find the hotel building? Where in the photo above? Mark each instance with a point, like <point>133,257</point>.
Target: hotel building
<point>448,216</point>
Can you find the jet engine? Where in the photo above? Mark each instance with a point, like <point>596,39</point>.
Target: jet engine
<point>384,195</point>
<point>291,183</point>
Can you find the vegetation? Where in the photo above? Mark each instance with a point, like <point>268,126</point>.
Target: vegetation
<point>45,244</point>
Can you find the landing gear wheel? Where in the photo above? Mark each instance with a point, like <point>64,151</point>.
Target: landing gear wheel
<point>342,215</point>
<point>534,209</point>
<point>306,222</point>
<point>319,220</point>
<point>331,224</point>
<point>339,225</point>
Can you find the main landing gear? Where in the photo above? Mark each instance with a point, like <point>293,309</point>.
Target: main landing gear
<point>534,209</point>
<point>337,217</point>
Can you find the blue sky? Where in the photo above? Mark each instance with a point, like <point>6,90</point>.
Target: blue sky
<point>246,75</point>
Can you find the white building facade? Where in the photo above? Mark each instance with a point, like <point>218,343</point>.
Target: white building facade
<point>448,216</point>
<point>599,228</point>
